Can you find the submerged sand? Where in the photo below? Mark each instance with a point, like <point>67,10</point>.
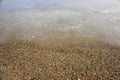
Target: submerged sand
<point>86,59</point>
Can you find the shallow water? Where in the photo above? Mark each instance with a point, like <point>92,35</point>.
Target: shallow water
<point>43,19</point>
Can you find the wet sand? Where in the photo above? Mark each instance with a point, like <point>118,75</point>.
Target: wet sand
<point>71,59</point>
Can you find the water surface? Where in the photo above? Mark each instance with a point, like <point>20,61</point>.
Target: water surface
<point>30,19</point>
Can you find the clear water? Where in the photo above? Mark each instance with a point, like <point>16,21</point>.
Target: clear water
<point>29,19</point>
<point>29,4</point>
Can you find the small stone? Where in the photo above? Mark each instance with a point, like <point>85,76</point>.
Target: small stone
<point>34,78</point>
<point>1,78</point>
<point>58,72</point>
<point>79,79</point>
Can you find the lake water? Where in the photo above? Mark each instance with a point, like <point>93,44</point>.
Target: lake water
<point>30,19</point>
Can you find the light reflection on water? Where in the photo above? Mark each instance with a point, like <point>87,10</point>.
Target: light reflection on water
<point>30,4</point>
<point>27,19</point>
